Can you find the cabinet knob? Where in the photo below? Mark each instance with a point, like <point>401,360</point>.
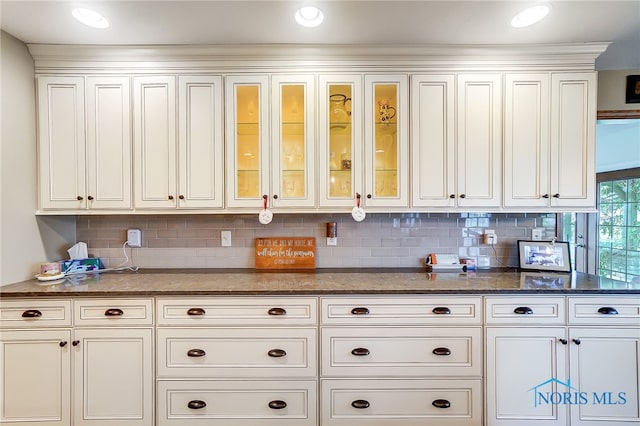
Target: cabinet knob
<point>275,196</point>
<point>523,310</point>
<point>196,404</point>
<point>170,197</point>
<point>441,310</point>
<point>181,197</point>
<point>358,196</point>
<point>608,310</point>
<point>368,195</point>
<point>196,311</point>
<point>563,341</point>
<point>360,311</point>
<point>265,197</point>
<point>360,352</point>
<point>277,311</point>
<point>463,196</point>
<point>277,404</point>
<point>75,342</point>
<point>79,198</point>
<point>31,313</point>
<point>545,196</point>
<point>452,196</point>
<point>441,403</point>
<point>90,198</point>
<point>441,351</point>
<point>196,353</point>
<point>360,404</point>
<point>277,353</point>
<point>576,341</point>
<point>113,312</point>
<point>556,195</point>
<point>63,343</point>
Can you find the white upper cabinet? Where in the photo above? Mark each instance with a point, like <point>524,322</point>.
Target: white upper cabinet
<point>340,150</point>
<point>433,154</point>
<point>573,125</point>
<point>154,122</point>
<point>479,133</point>
<point>386,141</point>
<point>200,142</point>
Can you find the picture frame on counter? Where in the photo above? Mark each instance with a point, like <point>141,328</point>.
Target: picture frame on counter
<point>544,256</point>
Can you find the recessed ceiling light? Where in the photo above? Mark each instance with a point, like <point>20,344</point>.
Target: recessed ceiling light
<point>309,16</point>
<point>90,18</point>
<point>530,16</point>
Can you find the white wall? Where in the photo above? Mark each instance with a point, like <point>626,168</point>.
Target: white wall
<point>25,241</point>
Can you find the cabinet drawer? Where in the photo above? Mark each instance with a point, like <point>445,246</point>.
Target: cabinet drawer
<point>113,312</point>
<point>35,313</point>
<point>406,351</point>
<point>604,310</point>
<point>237,311</point>
<point>237,403</point>
<point>237,352</point>
<point>401,402</point>
<point>525,310</point>
<point>402,310</point>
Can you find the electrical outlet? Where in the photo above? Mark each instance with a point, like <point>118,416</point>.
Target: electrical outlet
<point>537,233</point>
<point>225,238</point>
<point>332,241</point>
<point>134,238</point>
<point>489,237</point>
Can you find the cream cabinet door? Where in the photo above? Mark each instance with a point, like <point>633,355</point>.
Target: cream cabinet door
<point>61,143</point>
<point>524,366</point>
<point>35,385</point>
<point>247,138</point>
<point>154,129</point>
<point>526,140</point>
<point>340,150</point>
<point>108,143</point>
<point>293,111</point>
<point>386,142</point>
<point>433,152</point>
<point>605,369</point>
<point>200,142</point>
<point>479,127</point>
<point>113,377</point>
<point>573,115</point>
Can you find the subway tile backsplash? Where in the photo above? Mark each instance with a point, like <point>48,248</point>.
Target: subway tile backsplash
<point>381,240</point>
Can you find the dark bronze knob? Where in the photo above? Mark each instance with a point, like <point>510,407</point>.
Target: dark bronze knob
<point>576,341</point>
<point>441,351</point>
<point>360,404</point>
<point>63,343</point>
<point>277,353</point>
<point>195,311</point>
<point>358,196</point>
<point>277,311</point>
<point>196,404</point>
<point>196,353</point>
<point>545,196</point>
<point>523,310</point>
<point>452,196</point>
<point>360,311</point>
<point>265,197</point>
<point>563,341</point>
<point>608,310</point>
<point>79,198</point>
<point>441,403</point>
<point>113,312</point>
<point>463,196</point>
<point>170,197</point>
<point>368,195</point>
<point>31,313</point>
<point>441,310</point>
<point>275,196</point>
<point>90,198</point>
<point>277,404</point>
<point>360,352</point>
<point>75,342</point>
<point>556,195</point>
<point>181,196</point>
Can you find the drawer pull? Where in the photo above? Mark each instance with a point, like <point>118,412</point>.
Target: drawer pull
<point>441,403</point>
<point>523,310</point>
<point>360,311</point>
<point>114,312</point>
<point>441,351</point>
<point>360,352</point>
<point>360,404</point>
<point>196,353</point>
<point>277,311</point>
<point>277,404</point>
<point>31,313</point>
<point>196,311</point>
<point>441,310</point>
<point>277,353</point>
<point>608,310</point>
<point>196,404</point>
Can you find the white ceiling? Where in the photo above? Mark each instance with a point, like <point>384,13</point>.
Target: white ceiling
<point>375,22</point>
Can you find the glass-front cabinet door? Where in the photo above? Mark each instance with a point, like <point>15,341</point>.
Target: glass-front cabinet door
<point>247,127</point>
<point>340,132</point>
<point>386,141</point>
<point>293,141</point>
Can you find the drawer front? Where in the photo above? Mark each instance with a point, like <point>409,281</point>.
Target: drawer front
<point>35,313</point>
<point>238,311</point>
<point>401,402</point>
<point>605,310</point>
<point>401,351</point>
<point>402,310</point>
<point>237,403</point>
<point>113,312</point>
<point>237,352</point>
<point>525,310</point>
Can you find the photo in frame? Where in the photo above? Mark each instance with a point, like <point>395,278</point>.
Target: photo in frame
<point>633,89</point>
<point>544,256</point>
